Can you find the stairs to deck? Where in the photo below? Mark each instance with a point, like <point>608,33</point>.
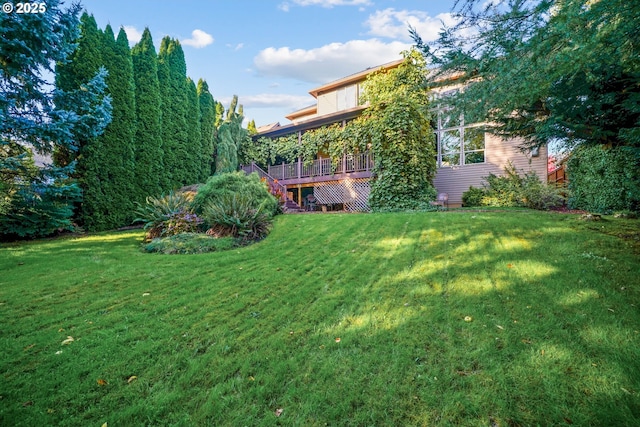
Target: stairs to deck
<point>291,206</point>
<point>288,205</point>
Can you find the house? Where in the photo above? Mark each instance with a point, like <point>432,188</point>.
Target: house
<point>465,152</point>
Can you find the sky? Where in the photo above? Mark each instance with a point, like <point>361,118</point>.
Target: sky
<point>271,53</point>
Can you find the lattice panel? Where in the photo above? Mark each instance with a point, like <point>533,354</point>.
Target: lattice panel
<point>352,193</point>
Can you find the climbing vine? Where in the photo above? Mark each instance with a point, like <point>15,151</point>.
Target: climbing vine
<point>394,127</point>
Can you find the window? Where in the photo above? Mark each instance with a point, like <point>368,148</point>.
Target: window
<point>346,98</point>
<point>458,144</point>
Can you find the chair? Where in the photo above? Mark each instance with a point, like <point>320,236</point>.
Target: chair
<point>442,200</point>
<point>311,202</point>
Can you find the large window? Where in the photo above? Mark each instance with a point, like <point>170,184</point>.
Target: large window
<point>458,144</point>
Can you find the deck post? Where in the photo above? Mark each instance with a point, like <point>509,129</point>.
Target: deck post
<point>344,162</point>
<point>299,157</point>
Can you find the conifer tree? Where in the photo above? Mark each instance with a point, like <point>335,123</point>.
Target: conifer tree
<point>251,127</point>
<point>91,171</point>
<point>207,130</point>
<point>37,201</point>
<point>194,145</point>
<point>229,137</point>
<point>149,166</point>
<point>117,178</point>
<point>172,77</point>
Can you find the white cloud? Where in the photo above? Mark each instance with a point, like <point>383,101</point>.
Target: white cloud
<point>332,3</point>
<point>395,24</point>
<point>329,62</point>
<point>133,34</point>
<point>285,6</point>
<point>271,100</point>
<point>236,46</point>
<point>199,39</point>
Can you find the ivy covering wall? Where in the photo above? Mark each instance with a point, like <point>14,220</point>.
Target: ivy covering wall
<point>395,128</point>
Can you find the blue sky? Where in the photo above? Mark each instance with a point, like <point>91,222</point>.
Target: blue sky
<point>272,52</point>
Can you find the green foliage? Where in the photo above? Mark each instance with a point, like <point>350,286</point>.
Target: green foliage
<point>194,148</point>
<point>207,129</point>
<point>172,78</point>
<point>36,202</point>
<point>402,141</point>
<point>604,179</point>
<point>189,243</point>
<point>149,164</point>
<point>514,190</point>
<point>106,164</point>
<point>230,138</point>
<point>473,197</point>
<point>235,215</point>
<point>167,215</point>
<point>219,186</point>
<point>251,128</point>
<point>546,70</point>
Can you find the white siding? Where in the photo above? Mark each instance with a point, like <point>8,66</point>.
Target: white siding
<point>456,180</point>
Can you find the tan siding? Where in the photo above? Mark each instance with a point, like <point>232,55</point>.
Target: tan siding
<point>327,103</point>
<point>456,180</point>
<point>304,118</point>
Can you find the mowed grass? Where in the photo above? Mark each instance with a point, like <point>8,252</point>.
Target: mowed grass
<point>434,319</point>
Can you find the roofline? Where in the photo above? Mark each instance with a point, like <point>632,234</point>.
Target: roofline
<point>354,77</point>
<point>316,122</point>
<point>303,111</point>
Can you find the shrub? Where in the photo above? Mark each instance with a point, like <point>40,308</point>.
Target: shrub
<point>168,215</point>
<point>38,209</point>
<point>235,215</point>
<point>239,183</point>
<point>473,197</point>
<point>514,190</point>
<point>537,195</point>
<point>188,243</point>
<point>604,179</point>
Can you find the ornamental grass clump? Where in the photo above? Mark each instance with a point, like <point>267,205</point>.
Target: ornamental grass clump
<point>168,215</point>
<point>234,215</point>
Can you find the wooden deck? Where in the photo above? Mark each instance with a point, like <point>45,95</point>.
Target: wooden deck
<point>350,166</point>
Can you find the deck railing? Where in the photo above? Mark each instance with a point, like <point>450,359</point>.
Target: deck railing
<point>262,174</point>
<point>359,162</point>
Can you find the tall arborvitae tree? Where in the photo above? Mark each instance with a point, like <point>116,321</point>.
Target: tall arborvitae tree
<point>149,165</point>
<point>194,146</point>
<point>172,76</point>
<point>207,130</point>
<point>81,66</point>
<point>117,178</point>
<point>229,137</point>
<point>91,171</point>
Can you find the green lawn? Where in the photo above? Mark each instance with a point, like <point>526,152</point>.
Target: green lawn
<point>332,320</point>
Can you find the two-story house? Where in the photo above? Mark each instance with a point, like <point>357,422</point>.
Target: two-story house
<point>465,153</point>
